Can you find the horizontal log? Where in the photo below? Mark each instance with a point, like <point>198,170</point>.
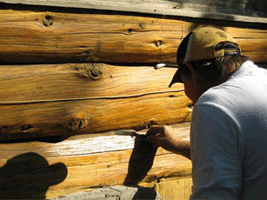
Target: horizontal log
<point>49,37</point>
<point>114,192</point>
<point>45,170</point>
<point>52,83</point>
<point>223,10</point>
<point>91,116</point>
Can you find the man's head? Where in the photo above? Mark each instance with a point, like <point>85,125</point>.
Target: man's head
<point>206,58</point>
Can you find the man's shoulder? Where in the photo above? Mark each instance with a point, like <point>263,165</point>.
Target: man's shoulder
<point>223,100</point>
<point>248,79</point>
<point>246,89</point>
<point>215,96</point>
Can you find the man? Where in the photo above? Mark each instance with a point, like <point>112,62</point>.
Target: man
<point>229,122</point>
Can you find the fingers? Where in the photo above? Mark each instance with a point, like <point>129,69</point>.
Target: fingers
<point>160,135</point>
<point>151,139</point>
<point>153,130</point>
<point>154,135</point>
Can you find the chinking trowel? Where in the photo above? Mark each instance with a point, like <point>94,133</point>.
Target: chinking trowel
<point>131,133</point>
<point>134,133</point>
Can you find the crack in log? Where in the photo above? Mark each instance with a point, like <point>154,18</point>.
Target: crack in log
<point>86,98</point>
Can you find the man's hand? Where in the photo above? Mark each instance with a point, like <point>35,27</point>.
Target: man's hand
<point>168,139</point>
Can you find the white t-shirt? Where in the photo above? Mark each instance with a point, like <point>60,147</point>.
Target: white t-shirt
<point>229,138</point>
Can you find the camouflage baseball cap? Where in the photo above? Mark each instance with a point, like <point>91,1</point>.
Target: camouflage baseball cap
<point>203,44</point>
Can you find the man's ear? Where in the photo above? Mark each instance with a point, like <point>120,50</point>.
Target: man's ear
<point>195,76</point>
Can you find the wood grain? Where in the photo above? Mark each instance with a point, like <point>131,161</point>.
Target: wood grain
<point>70,99</point>
<point>67,82</point>
<point>243,11</point>
<point>71,166</point>
<point>171,190</point>
<point>46,37</point>
<point>92,116</point>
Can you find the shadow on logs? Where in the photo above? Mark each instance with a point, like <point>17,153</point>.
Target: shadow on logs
<point>28,176</point>
<point>140,162</point>
<point>48,139</point>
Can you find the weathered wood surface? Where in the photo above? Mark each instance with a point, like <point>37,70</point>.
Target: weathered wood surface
<point>46,100</point>
<point>170,190</point>
<point>22,84</point>
<point>116,192</point>
<point>44,170</point>
<point>233,10</point>
<point>48,37</point>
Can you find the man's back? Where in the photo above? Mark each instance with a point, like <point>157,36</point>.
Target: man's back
<point>229,138</point>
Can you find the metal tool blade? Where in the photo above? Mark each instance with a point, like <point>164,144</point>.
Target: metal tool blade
<point>131,133</point>
<point>126,132</point>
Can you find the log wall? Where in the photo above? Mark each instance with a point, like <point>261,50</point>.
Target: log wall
<point>65,99</point>
<point>49,100</point>
<point>83,74</point>
<point>71,37</point>
<point>40,170</point>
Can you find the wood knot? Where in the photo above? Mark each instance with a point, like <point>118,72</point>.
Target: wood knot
<point>141,25</point>
<point>176,7</point>
<point>26,128</point>
<point>151,122</point>
<point>158,43</point>
<point>77,124</point>
<point>95,72</point>
<point>47,21</point>
<point>91,70</point>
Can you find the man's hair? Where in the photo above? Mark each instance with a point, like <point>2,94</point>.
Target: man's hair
<point>217,68</point>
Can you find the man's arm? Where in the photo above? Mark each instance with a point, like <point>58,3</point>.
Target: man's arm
<point>217,172</point>
<point>167,138</point>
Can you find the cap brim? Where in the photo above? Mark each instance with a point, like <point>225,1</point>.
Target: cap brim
<point>176,78</point>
